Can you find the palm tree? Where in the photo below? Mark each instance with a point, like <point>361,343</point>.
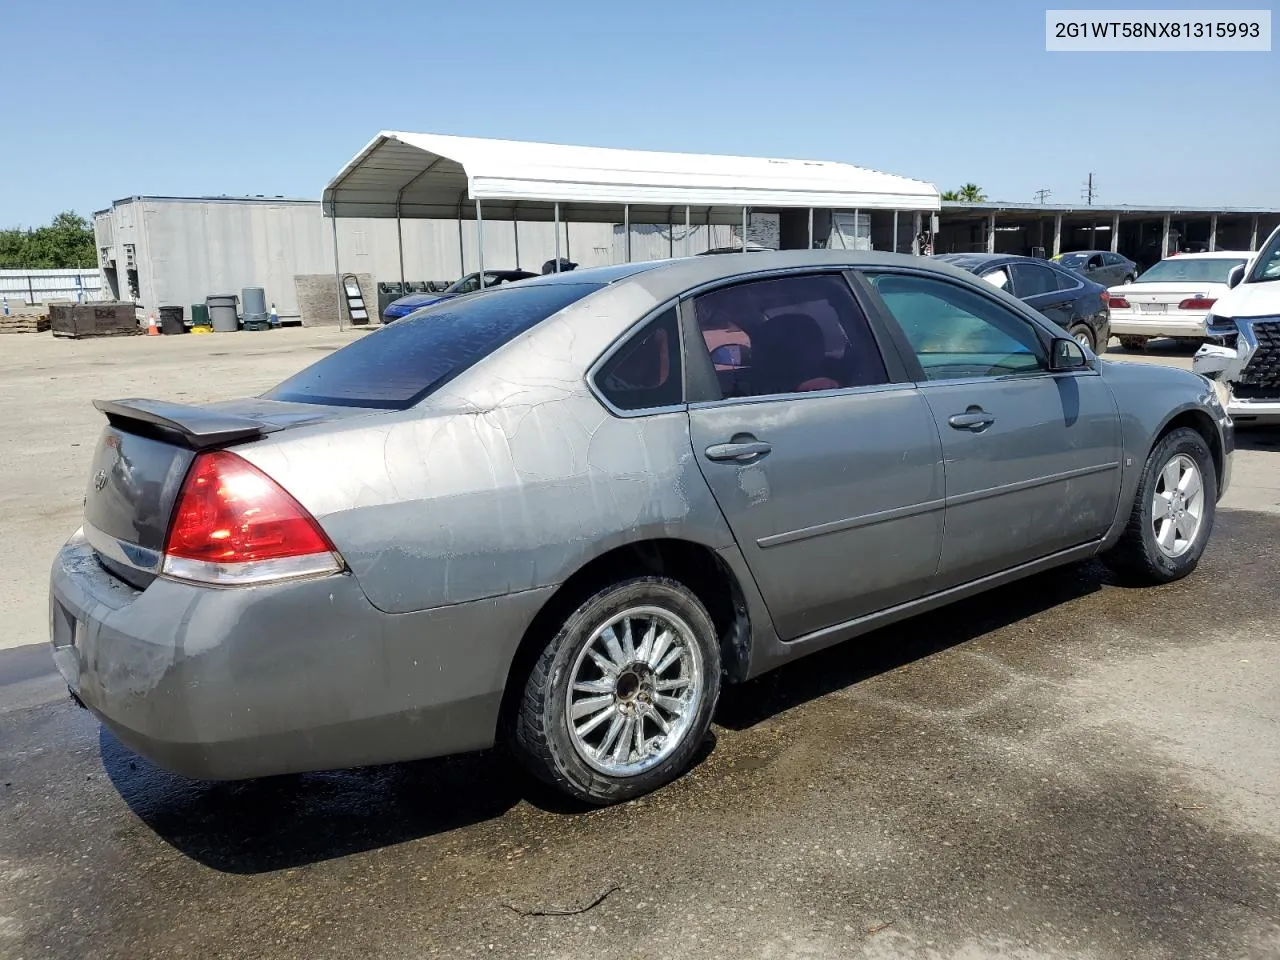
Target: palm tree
<point>972,193</point>
<point>950,194</point>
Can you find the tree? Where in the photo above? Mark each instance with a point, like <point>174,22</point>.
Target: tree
<point>968,193</point>
<point>66,242</point>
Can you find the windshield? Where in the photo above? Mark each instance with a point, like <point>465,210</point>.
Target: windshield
<point>1267,266</point>
<point>1073,260</point>
<point>1186,270</point>
<point>395,367</point>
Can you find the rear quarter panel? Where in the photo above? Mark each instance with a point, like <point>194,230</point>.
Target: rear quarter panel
<point>510,478</point>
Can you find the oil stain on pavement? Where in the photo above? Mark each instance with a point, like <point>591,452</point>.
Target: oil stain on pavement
<point>1061,768</point>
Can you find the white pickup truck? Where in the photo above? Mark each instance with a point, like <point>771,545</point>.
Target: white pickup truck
<point>1243,352</point>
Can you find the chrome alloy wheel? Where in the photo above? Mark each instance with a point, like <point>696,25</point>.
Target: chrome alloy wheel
<point>1177,508</point>
<point>635,690</point>
<point>1084,339</point>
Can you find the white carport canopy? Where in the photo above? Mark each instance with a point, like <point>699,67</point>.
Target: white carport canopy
<point>432,176</point>
<point>423,175</point>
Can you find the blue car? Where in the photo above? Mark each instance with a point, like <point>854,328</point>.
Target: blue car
<point>468,284</point>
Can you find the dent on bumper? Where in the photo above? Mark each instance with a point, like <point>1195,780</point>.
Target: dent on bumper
<point>281,678</point>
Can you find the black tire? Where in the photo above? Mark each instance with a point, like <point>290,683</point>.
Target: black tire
<point>1083,330</point>
<point>1137,557</point>
<point>1129,279</point>
<point>1133,343</point>
<point>541,739</point>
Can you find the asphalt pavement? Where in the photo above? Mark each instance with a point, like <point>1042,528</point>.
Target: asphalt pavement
<point>1062,768</point>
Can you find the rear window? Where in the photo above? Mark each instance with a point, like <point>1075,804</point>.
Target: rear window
<point>1183,270</point>
<point>395,367</point>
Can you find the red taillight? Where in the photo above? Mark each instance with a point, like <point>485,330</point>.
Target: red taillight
<point>1197,303</point>
<point>234,524</point>
<point>1113,301</point>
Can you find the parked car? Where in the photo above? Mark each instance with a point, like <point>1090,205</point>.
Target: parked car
<point>1077,305</point>
<point>1243,327</point>
<point>1171,299</point>
<point>1100,266</point>
<point>544,516</point>
<point>468,284</point>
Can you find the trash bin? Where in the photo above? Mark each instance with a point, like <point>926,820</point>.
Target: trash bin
<point>254,301</point>
<point>222,312</point>
<point>199,315</point>
<point>171,320</point>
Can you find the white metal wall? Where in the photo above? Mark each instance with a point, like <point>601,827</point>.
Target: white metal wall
<point>41,286</point>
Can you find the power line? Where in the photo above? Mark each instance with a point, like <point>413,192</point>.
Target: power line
<point>1042,195</point>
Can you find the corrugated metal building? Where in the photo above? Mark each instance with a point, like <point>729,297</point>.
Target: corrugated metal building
<point>178,250</point>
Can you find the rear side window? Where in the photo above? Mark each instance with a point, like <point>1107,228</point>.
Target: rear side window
<point>395,367</point>
<point>645,372</point>
<point>1032,280</point>
<point>788,335</point>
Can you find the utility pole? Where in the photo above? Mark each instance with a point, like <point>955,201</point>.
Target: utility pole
<point>1090,191</point>
<point>1042,195</point>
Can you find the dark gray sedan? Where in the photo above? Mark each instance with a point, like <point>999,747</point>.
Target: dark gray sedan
<point>1101,266</point>
<point>562,514</point>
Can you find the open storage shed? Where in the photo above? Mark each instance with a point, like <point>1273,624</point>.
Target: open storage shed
<point>422,175</point>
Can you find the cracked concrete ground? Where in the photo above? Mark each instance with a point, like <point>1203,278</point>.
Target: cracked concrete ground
<point>1062,768</point>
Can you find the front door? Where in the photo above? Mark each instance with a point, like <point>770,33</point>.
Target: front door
<point>1032,457</point>
<point>828,474</point>
<point>1038,286</point>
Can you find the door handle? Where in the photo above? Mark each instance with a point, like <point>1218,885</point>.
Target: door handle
<point>975,420</point>
<point>738,450</point>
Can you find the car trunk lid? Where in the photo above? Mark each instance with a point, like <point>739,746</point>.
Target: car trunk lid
<point>143,456</point>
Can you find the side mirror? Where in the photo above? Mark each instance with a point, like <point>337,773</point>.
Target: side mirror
<point>1235,276</point>
<point>731,355</point>
<point>1066,354</point>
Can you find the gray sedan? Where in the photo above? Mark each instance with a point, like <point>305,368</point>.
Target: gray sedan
<point>560,515</point>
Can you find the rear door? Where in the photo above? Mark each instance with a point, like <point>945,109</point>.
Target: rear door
<point>824,460</point>
<point>1032,456</point>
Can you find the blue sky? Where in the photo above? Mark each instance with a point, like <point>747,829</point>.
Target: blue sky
<point>107,100</point>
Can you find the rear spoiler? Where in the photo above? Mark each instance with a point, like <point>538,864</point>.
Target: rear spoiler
<point>195,427</point>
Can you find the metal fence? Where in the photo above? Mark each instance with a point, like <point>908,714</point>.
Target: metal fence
<point>41,286</point>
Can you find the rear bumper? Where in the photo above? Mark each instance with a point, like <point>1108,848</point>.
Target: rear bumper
<point>280,678</point>
<point>1125,323</point>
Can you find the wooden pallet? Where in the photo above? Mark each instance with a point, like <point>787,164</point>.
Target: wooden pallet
<point>24,324</point>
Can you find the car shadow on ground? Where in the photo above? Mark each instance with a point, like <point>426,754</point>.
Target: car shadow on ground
<point>275,823</point>
<point>846,664</point>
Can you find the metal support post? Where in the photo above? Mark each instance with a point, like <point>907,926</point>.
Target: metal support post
<point>811,228</point>
<point>915,233</point>
<point>1213,233</point>
<point>744,229</point>
<point>688,231</point>
<point>626,227</point>
<point>480,244</point>
<point>991,233</point>
<point>895,231</point>
<point>1253,234</point>
<point>1164,237</point>
<point>337,277</point>
<point>557,215</point>
<point>1057,234</point>
<point>1115,233</point>
<point>400,244</point>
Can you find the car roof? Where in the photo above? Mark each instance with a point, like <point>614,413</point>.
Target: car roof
<point>665,279</point>
<point>1087,253</point>
<point>1214,255</point>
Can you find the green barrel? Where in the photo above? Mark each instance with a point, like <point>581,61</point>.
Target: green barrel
<point>200,315</point>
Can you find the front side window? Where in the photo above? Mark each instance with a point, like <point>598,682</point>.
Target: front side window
<point>956,333</point>
<point>1033,279</point>
<point>645,372</point>
<point>788,335</point>
<point>1267,266</point>
<point>397,366</point>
